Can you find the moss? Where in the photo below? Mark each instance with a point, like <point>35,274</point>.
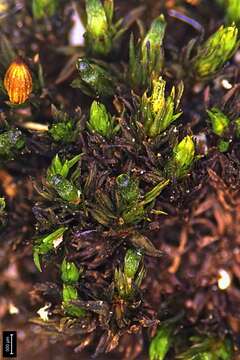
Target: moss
<point>120,173</point>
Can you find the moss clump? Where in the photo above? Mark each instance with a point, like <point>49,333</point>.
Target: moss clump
<point>120,172</point>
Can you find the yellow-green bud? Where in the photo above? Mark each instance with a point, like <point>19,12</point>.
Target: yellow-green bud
<point>96,18</point>
<point>159,111</point>
<point>182,158</point>
<point>100,121</point>
<point>98,31</point>
<point>219,121</point>
<point>184,152</point>
<point>69,272</point>
<point>216,51</point>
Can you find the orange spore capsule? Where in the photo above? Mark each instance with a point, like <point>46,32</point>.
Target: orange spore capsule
<point>18,81</point>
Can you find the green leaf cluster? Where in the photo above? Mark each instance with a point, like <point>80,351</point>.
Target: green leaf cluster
<point>182,158</point>
<point>220,122</point>
<point>102,34</point>
<point>216,51</point>
<point>146,60</point>
<point>101,121</point>
<point>11,142</point>
<point>58,179</point>
<point>70,275</point>
<point>127,281</point>
<point>63,129</point>
<point>128,206</point>
<point>159,111</point>
<point>93,79</point>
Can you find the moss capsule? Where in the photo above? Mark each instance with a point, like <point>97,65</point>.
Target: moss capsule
<point>18,82</point>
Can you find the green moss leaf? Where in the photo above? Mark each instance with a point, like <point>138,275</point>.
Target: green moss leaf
<point>161,343</point>
<point>47,243</point>
<point>131,263</point>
